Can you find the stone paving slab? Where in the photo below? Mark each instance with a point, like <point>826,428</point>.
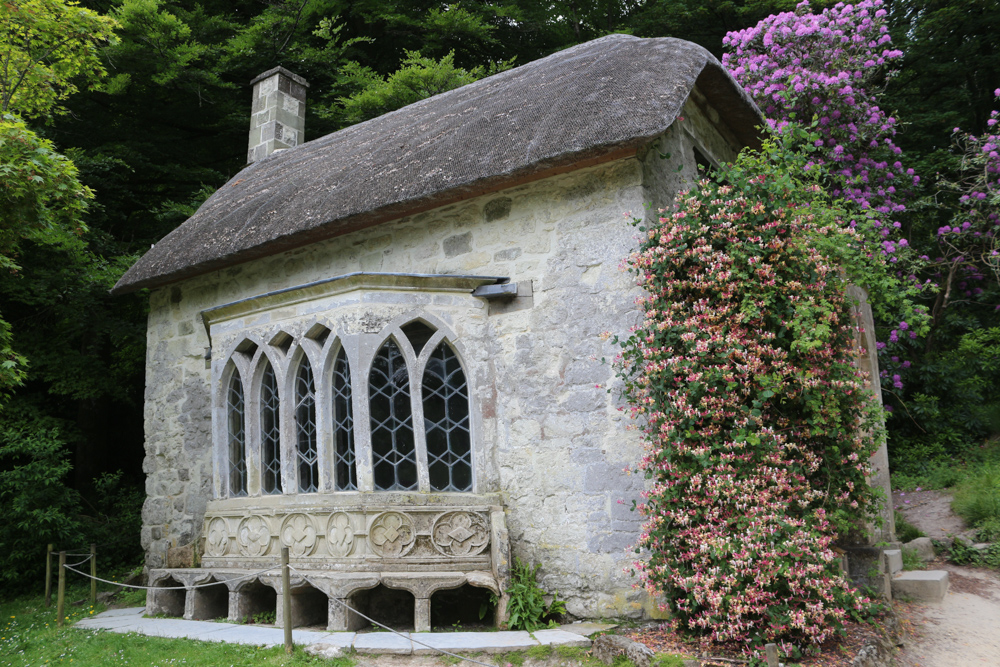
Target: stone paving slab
<point>486,642</point>
<point>560,637</point>
<point>587,628</point>
<point>128,611</point>
<point>383,642</point>
<point>132,620</point>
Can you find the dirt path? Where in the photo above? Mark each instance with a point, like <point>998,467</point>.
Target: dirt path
<point>964,629</point>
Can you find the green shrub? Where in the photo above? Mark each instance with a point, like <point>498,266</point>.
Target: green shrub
<point>977,499</point>
<point>114,521</point>
<point>757,426</point>
<point>37,506</point>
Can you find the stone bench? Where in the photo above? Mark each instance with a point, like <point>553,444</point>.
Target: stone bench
<point>338,548</point>
<point>211,593</point>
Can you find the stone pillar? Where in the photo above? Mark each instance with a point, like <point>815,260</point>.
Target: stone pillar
<point>868,362</point>
<point>278,114</point>
<point>500,558</point>
<point>422,615</point>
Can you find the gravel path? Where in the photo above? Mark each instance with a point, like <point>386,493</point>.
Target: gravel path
<point>964,629</point>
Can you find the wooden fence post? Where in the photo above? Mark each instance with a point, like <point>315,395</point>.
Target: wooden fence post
<point>48,575</point>
<point>93,574</point>
<point>286,600</point>
<point>61,590</point>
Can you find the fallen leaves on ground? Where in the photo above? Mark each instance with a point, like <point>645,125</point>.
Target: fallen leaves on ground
<point>664,639</point>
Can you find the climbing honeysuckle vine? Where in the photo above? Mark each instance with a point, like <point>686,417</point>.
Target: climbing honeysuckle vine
<point>757,425</point>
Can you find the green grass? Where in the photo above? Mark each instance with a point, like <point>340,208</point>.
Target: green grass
<point>667,660</point>
<point>515,658</point>
<point>540,652</point>
<point>29,636</point>
<point>571,653</point>
<point>906,531</point>
<point>977,498</point>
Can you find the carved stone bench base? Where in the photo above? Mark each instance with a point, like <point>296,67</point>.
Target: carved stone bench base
<point>240,597</point>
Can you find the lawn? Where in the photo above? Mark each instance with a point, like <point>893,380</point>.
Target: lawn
<point>29,636</point>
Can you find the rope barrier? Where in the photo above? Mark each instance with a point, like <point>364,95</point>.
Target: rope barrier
<point>386,627</point>
<point>174,588</point>
<point>78,563</point>
<point>371,620</point>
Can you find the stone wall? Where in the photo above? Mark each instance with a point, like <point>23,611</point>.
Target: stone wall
<point>553,443</point>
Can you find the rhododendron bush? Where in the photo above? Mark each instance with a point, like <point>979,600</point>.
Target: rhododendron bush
<point>799,65</point>
<point>757,425</point>
<point>829,68</point>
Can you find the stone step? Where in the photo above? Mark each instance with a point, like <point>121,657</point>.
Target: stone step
<point>923,585</point>
<point>894,560</point>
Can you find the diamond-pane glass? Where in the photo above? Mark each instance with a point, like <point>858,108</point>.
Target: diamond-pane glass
<point>394,456</point>
<point>446,421</point>
<point>345,474</point>
<point>270,439</point>
<point>235,413</point>
<point>305,429</point>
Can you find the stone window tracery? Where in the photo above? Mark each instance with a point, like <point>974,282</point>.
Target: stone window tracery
<point>446,422</point>
<point>394,455</point>
<point>307,454</point>
<point>345,466</point>
<point>416,433</point>
<point>236,431</point>
<point>270,432</point>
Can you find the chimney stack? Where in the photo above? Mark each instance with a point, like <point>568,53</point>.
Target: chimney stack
<point>278,115</point>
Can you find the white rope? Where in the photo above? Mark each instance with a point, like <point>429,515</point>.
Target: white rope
<point>79,563</point>
<point>254,574</point>
<point>386,627</point>
<point>174,588</point>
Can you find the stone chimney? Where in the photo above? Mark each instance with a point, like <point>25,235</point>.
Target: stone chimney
<point>278,115</point>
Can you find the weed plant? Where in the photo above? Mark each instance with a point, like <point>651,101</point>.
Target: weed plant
<point>906,531</point>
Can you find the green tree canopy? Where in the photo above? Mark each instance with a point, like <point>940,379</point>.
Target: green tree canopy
<point>48,48</point>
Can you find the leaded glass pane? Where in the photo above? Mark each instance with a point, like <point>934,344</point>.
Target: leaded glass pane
<point>237,437</point>
<point>446,421</point>
<point>418,334</point>
<point>394,457</point>
<point>270,439</point>
<point>345,474</point>
<point>305,428</point>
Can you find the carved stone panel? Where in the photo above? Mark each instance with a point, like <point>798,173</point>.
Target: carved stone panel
<point>217,537</point>
<point>391,534</point>
<point>298,533</point>
<point>254,536</point>
<point>340,535</point>
<point>460,533</point>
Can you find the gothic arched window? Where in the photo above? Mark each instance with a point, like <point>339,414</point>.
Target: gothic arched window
<point>305,429</point>
<point>270,432</point>
<point>446,422</point>
<point>345,465</point>
<point>394,455</point>
<point>235,421</point>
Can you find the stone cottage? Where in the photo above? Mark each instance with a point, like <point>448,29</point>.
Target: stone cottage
<point>382,348</point>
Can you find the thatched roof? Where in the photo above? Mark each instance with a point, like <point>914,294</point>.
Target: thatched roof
<point>590,101</point>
